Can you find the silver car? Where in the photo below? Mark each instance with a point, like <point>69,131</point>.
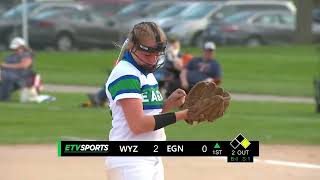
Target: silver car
<point>256,28</point>
<point>160,18</point>
<point>189,26</point>
<point>81,28</point>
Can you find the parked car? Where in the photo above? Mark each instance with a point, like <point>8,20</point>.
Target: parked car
<point>171,12</point>
<point>106,7</point>
<point>65,30</point>
<point>160,18</point>
<point>138,12</point>
<point>34,8</point>
<point>231,7</point>
<point>142,9</point>
<point>190,24</point>
<point>255,29</point>
<point>11,20</point>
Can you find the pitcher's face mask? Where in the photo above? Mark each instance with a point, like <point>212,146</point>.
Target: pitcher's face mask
<point>152,57</point>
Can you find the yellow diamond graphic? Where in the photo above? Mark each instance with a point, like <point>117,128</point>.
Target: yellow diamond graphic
<point>245,143</point>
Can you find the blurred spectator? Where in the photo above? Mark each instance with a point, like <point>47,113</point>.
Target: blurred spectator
<point>98,99</point>
<point>206,68</point>
<point>168,75</point>
<point>16,70</point>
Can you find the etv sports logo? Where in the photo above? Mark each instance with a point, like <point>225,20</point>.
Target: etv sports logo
<point>240,140</point>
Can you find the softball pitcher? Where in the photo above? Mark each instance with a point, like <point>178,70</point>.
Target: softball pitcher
<point>139,112</point>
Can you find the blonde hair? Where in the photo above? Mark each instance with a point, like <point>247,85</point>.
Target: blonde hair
<point>144,31</point>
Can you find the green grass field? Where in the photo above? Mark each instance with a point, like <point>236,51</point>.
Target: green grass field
<point>267,122</point>
<point>283,70</point>
<point>287,70</point>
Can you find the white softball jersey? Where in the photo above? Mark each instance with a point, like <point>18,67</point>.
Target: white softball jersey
<point>129,80</point>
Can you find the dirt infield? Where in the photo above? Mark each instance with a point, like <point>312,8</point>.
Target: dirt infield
<point>40,162</point>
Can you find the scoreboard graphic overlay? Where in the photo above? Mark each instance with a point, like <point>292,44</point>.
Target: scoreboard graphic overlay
<point>240,149</point>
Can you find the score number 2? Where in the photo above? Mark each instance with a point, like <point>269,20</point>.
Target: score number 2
<point>155,148</point>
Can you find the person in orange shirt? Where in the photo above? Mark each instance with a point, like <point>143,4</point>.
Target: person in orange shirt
<point>168,75</point>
